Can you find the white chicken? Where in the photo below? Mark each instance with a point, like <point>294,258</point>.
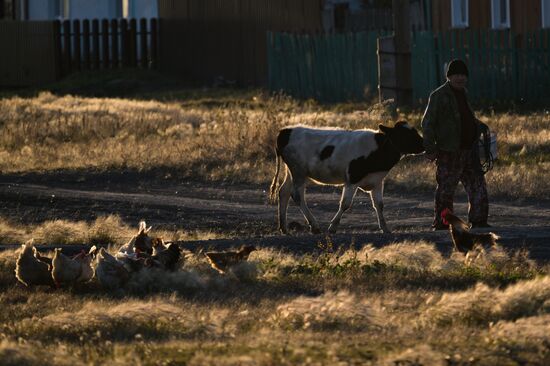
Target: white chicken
<point>110,272</point>
<point>66,270</point>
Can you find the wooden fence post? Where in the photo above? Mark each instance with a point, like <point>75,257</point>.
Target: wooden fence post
<point>114,44</point>
<point>124,42</point>
<point>76,42</point>
<point>144,62</point>
<point>105,43</point>
<point>154,44</point>
<point>402,31</point>
<point>95,44</point>
<point>67,54</point>
<point>133,42</point>
<point>58,48</point>
<point>86,43</point>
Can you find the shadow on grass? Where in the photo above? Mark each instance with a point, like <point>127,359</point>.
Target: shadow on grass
<point>143,85</point>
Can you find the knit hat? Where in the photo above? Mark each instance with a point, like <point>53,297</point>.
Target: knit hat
<point>457,67</point>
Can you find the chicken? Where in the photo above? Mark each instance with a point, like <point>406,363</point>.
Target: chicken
<point>109,271</point>
<point>140,245</point>
<point>42,258</point>
<point>30,270</point>
<point>464,240</point>
<point>164,257</point>
<point>158,245</point>
<point>66,270</point>
<point>222,261</point>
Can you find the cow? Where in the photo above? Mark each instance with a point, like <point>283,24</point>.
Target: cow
<point>354,159</point>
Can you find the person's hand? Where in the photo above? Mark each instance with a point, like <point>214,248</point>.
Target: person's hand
<point>430,156</point>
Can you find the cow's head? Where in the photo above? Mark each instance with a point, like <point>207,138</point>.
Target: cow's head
<point>404,137</point>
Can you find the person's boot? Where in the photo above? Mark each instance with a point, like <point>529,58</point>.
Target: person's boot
<point>439,226</point>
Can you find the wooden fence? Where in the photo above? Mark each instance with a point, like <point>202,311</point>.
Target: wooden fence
<point>276,15</point>
<point>326,67</point>
<point>340,67</point>
<point>216,42</point>
<point>107,44</point>
<point>503,65</point>
<point>28,53</point>
<point>214,53</point>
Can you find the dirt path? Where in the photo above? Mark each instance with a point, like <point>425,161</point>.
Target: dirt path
<point>241,211</point>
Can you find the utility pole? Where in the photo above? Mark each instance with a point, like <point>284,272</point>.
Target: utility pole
<point>402,39</point>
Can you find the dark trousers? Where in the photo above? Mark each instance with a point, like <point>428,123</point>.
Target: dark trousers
<point>461,166</point>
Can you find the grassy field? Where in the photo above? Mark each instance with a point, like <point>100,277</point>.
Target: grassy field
<point>403,302</point>
<point>214,135</point>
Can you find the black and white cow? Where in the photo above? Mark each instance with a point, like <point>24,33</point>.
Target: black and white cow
<point>351,158</point>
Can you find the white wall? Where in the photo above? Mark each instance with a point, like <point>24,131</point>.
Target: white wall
<point>90,9</point>
<point>142,9</point>
<point>41,9</point>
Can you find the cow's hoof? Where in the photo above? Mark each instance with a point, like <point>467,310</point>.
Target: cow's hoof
<point>296,226</point>
<point>386,231</point>
<point>332,230</point>
<point>283,231</point>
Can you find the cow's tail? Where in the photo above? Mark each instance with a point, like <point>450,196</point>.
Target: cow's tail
<point>273,189</point>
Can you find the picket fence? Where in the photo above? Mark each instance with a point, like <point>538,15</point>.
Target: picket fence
<point>106,44</point>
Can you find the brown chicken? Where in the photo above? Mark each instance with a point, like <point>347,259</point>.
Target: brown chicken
<point>31,270</point>
<point>222,261</point>
<point>164,256</point>
<point>463,239</point>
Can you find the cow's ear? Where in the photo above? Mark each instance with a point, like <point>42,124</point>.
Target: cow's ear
<point>384,129</point>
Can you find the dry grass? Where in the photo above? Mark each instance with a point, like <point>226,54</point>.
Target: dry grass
<point>484,304</point>
<point>419,355</point>
<point>232,142</point>
<point>105,230</point>
<point>401,303</point>
<point>357,306</point>
<point>329,311</point>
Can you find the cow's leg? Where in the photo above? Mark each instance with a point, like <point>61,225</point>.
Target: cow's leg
<point>345,203</point>
<point>376,196</point>
<point>284,196</point>
<point>299,195</point>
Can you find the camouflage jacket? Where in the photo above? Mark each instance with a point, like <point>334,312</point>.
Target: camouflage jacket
<point>441,123</point>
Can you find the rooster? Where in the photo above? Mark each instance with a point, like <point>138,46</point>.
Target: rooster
<point>141,245</point>
<point>32,270</point>
<point>222,261</point>
<point>464,240</point>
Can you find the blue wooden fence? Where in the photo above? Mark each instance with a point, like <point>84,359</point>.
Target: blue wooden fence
<point>342,67</point>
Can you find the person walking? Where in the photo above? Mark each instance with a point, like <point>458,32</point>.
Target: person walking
<point>451,133</point>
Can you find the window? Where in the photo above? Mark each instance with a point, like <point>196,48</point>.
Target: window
<point>545,13</point>
<point>500,10</point>
<point>459,13</point>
